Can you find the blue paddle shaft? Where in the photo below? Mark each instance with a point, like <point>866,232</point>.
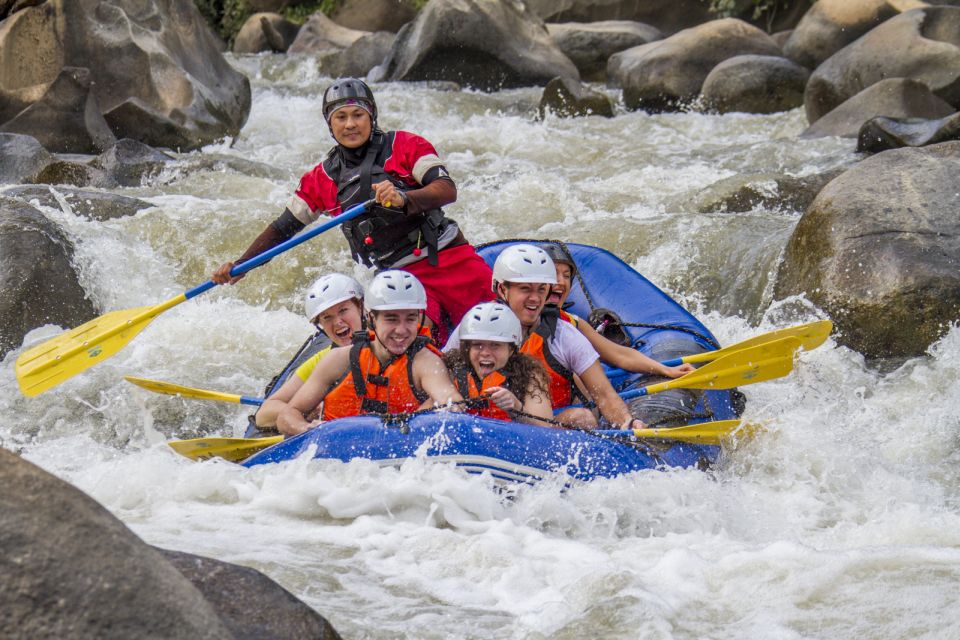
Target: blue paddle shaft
<point>251,401</point>
<point>270,254</point>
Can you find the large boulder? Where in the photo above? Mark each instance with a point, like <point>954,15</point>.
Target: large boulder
<point>485,44</point>
<point>667,74</point>
<point>66,119</point>
<point>569,98</point>
<point>830,25</point>
<point>374,15</point>
<point>769,191</point>
<point>922,44</point>
<point>265,32</point>
<point>881,134</point>
<point>320,34</point>
<point>895,98</point>
<point>39,282</point>
<point>155,69</point>
<point>22,158</point>
<point>251,604</point>
<point>129,163</point>
<point>669,16</point>
<point>755,84</point>
<point>96,205</point>
<point>359,58</point>
<point>72,570</point>
<point>590,45</point>
<point>879,251</point>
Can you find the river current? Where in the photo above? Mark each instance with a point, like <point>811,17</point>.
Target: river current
<point>842,521</point>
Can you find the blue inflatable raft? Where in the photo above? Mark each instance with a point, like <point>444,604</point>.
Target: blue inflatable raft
<point>635,312</point>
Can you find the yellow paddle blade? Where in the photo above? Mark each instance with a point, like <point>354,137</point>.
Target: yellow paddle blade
<point>746,366</point>
<point>47,365</point>
<point>172,389</point>
<point>811,336</point>
<point>714,433</point>
<point>232,449</point>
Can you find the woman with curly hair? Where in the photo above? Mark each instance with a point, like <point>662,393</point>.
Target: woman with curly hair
<point>489,368</point>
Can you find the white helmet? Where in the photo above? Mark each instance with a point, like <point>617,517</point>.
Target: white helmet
<point>491,321</point>
<point>395,290</point>
<point>329,290</point>
<point>524,263</point>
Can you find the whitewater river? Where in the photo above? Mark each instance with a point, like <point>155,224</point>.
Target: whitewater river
<point>843,521</point>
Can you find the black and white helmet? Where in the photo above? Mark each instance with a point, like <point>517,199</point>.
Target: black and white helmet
<point>345,90</point>
<point>394,289</point>
<point>524,263</point>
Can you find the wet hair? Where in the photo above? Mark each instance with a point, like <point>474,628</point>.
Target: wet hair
<point>524,374</point>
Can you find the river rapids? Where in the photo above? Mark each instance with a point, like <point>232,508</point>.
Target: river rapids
<point>842,521</point>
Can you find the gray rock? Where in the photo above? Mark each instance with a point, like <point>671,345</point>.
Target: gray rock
<point>156,71</point>
<point>770,191</point>
<point>668,74</point>
<point>250,604</point>
<point>879,251</point>
<point>669,16</point>
<point>881,134</point>
<point>320,33</point>
<point>755,84</point>
<point>895,98</point>
<point>265,32</point>
<point>129,163</point>
<point>485,44</point>
<point>96,205</point>
<point>66,118</point>
<point>75,172</point>
<point>374,15</point>
<point>568,98</point>
<point>830,25</point>
<point>922,44</point>
<point>358,59</point>
<point>21,158</point>
<point>39,283</point>
<point>72,570</point>
<point>590,45</point>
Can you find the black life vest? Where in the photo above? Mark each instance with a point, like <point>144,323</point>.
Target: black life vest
<point>381,236</point>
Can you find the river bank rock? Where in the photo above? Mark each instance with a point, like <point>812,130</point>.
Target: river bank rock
<point>248,602</point>
<point>96,205</point>
<point>359,58</point>
<point>265,32</point>
<point>39,281</point>
<point>569,98</point>
<point>73,570</point>
<point>668,74</point>
<point>668,16</point>
<point>374,15</point>
<point>921,44</point>
<point>155,71</point>
<point>755,84</point>
<point>22,158</point>
<point>879,251</point>
<point>320,34</point>
<point>485,44</point>
<point>830,25</point>
<point>894,98</point>
<point>881,134</point>
<point>590,45</point>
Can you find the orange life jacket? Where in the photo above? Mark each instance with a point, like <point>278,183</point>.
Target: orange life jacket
<point>367,387</point>
<point>469,385</point>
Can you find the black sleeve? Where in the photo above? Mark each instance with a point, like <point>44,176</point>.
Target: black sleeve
<point>287,224</point>
<point>435,173</point>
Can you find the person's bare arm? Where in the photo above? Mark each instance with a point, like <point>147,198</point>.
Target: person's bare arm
<point>611,405</point>
<point>627,358</point>
<point>431,375</point>
<point>271,407</point>
<point>291,420</point>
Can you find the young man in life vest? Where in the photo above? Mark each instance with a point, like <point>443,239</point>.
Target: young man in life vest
<point>610,352</point>
<point>522,276</point>
<point>489,365</point>
<point>406,229</point>
<point>334,304</point>
<point>392,369</point>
